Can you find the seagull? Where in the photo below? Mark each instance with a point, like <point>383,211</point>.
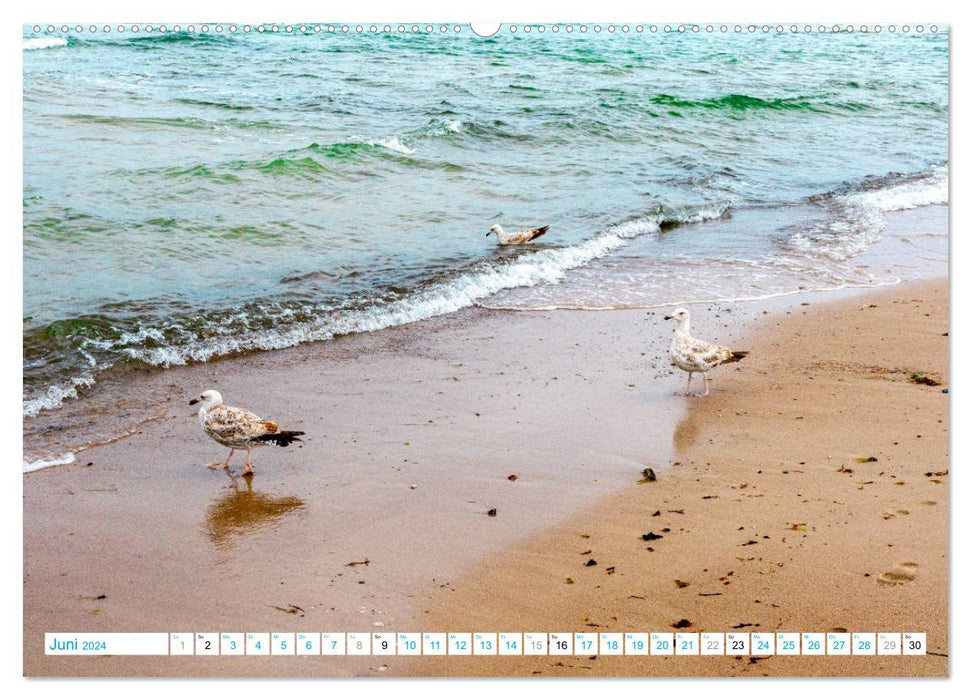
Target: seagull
<point>693,355</point>
<point>517,237</point>
<point>237,428</point>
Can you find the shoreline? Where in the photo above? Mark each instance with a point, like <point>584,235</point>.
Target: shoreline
<point>906,252</point>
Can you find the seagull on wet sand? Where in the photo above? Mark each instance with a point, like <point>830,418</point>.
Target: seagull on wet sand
<point>237,428</point>
<point>693,355</point>
<point>516,237</point>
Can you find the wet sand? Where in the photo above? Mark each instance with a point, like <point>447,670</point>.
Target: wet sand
<point>412,435</point>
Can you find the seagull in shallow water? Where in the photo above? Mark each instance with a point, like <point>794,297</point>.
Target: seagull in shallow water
<point>516,237</point>
<point>237,428</point>
<point>693,355</point>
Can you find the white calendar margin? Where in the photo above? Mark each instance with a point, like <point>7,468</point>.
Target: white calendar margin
<point>11,648</point>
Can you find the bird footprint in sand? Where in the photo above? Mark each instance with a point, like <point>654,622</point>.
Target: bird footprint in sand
<point>899,575</point>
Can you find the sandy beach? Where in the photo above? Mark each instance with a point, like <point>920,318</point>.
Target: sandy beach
<point>807,493</point>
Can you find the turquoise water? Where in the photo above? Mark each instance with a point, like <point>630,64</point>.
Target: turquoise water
<point>191,197</point>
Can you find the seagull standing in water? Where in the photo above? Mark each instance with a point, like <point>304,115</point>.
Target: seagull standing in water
<point>693,355</point>
<point>516,237</point>
<point>237,428</point>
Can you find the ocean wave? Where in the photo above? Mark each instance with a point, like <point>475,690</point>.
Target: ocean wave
<point>930,187</point>
<point>67,458</point>
<point>393,143</point>
<point>162,39</point>
<point>55,395</point>
<point>114,120</point>
<point>212,103</point>
<point>273,326</point>
<point>460,291</point>
<point>44,42</point>
<point>680,280</point>
<point>308,161</point>
<point>743,103</point>
<point>854,214</point>
<point>443,127</point>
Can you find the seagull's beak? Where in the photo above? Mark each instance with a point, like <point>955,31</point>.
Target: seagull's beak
<point>193,402</point>
<point>668,318</point>
<point>487,235</point>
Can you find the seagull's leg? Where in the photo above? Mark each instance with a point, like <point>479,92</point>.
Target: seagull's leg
<point>248,469</point>
<point>706,385</point>
<point>687,389</point>
<point>220,465</point>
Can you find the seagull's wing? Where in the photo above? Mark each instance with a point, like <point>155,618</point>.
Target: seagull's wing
<point>236,425</point>
<point>536,232</point>
<point>709,353</point>
<point>520,237</point>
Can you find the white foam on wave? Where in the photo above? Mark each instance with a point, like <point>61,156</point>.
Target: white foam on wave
<point>67,458</point>
<point>46,42</point>
<point>679,279</point>
<point>55,395</point>
<point>857,219</point>
<point>393,143</point>
<point>548,265</point>
<point>443,128</point>
<point>905,195</point>
<point>453,126</point>
<point>542,266</point>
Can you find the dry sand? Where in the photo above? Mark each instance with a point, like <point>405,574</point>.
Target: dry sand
<point>412,434</point>
<point>809,493</point>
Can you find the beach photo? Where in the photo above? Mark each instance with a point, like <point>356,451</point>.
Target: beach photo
<point>450,350</point>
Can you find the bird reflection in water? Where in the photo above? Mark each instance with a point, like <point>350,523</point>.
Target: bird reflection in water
<point>243,511</point>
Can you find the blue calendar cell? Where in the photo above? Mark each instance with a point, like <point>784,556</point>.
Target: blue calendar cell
<point>662,643</point>
<point>787,643</point>
<point>585,643</point>
<point>308,644</point>
<point>813,643</point>
<point>485,643</point>
<point>611,643</point>
<point>232,643</point>
<point>460,644</point>
<point>864,643</point>
<point>510,643</point>
<point>434,644</point>
<point>838,643</point>
<point>637,643</point>
<point>257,643</point>
<point>763,643</point>
<point>334,644</point>
<point>283,643</point>
<point>409,644</point>
<point>687,643</point>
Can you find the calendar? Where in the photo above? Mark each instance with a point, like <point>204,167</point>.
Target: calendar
<point>487,644</point>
